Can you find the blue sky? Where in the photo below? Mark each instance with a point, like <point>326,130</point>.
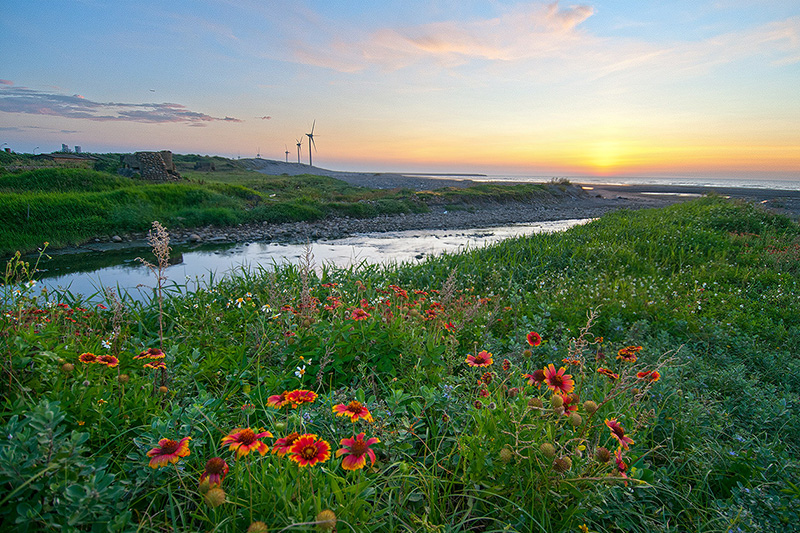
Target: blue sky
<point>641,88</point>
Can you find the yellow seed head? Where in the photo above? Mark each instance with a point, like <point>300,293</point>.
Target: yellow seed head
<point>590,406</point>
<point>163,390</point>
<point>123,378</point>
<point>557,401</point>
<point>67,367</point>
<point>506,455</point>
<point>548,450</point>
<point>535,403</point>
<point>575,419</point>
<point>215,497</point>
<point>326,520</point>
<point>257,527</point>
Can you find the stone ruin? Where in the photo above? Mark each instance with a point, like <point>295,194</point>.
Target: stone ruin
<point>151,166</point>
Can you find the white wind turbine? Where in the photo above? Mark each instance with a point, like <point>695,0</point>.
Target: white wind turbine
<point>311,142</point>
<point>299,144</point>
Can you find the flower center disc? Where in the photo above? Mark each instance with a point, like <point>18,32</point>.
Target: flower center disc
<point>247,437</point>
<point>309,452</point>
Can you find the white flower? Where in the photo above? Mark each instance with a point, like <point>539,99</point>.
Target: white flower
<point>300,371</point>
<point>105,344</point>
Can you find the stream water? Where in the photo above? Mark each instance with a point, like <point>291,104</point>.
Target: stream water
<point>87,273</point>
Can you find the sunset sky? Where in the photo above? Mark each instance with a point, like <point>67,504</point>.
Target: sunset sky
<point>636,88</point>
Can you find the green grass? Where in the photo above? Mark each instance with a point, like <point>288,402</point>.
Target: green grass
<point>66,206</point>
<point>710,289</point>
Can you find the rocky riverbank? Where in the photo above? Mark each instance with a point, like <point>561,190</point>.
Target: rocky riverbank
<point>576,203</point>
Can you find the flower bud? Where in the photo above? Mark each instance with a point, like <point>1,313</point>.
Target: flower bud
<point>513,392</point>
<point>478,404</point>
<point>204,487</point>
<point>590,407</point>
<point>562,464</point>
<point>602,454</point>
<point>215,497</point>
<point>123,378</point>
<point>163,390</point>
<point>575,419</point>
<point>67,367</point>
<point>548,450</point>
<point>535,403</point>
<point>557,401</point>
<point>527,353</point>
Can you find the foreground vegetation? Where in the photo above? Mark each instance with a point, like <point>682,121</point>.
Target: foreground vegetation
<point>670,406</point>
<point>70,206</point>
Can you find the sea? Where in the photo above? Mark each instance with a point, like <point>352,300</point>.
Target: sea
<point>788,183</point>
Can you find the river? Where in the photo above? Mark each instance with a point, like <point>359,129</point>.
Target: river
<point>87,273</point>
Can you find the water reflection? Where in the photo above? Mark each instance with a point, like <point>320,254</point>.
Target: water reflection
<point>87,273</point>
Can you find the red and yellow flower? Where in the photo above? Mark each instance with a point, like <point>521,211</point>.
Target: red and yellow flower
<point>87,358</point>
<point>245,440</point>
<point>482,359</point>
<point>168,451</point>
<point>278,400</point>
<point>628,354</point>
<point>570,403</point>
<point>155,365</point>
<point>622,467</point>
<point>534,339</point>
<point>215,472</point>
<point>307,450</point>
<point>537,378</point>
<point>608,373</point>
<point>300,396</point>
<point>282,445</point>
<point>151,353</point>
<point>650,375</point>
<point>558,381</point>
<point>359,314</point>
<point>618,432</point>
<point>109,360</point>
<point>354,410</point>
<point>356,451</point>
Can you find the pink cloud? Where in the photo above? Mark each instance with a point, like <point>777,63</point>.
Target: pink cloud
<point>6,82</point>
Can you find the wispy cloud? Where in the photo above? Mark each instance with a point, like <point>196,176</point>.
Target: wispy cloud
<point>537,30</point>
<point>30,101</point>
<point>550,36</point>
<point>6,82</point>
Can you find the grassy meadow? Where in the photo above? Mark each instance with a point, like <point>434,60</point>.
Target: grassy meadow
<point>422,398</point>
<point>66,206</point>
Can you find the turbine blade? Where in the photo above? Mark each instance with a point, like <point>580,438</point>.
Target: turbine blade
<point>312,126</point>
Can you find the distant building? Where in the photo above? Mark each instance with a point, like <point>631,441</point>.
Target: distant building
<point>64,149</point>
<point>77,149</point>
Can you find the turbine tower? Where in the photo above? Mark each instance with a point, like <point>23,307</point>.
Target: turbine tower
<point>287,152</point>
<point>299,144</point>
<point>311,142</point>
